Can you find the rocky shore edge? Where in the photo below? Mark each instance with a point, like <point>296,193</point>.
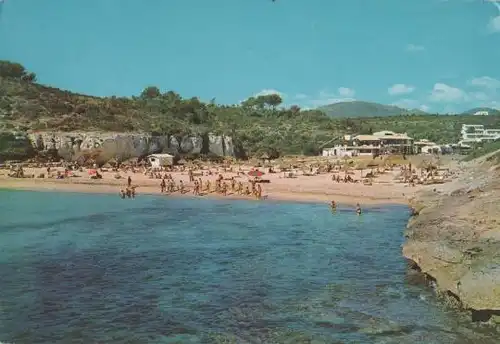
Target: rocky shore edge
<point>453,238</point>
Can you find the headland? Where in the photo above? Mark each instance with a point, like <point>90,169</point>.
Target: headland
<point>454,237</point>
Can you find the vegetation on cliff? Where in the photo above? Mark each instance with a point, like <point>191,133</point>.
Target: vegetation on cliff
<point>260,124</point>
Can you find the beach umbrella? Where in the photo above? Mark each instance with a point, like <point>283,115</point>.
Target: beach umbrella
<point>255,173</point>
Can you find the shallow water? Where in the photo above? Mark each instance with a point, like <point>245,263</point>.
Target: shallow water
<point>81,268</point>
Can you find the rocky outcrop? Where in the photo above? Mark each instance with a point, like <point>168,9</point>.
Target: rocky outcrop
<point>455,238</point>
<point>129,145</point>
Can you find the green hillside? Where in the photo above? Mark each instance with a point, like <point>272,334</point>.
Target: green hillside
<point>258,125</point>
<point>356,109</point>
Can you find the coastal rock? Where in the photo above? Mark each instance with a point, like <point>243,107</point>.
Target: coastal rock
<point>455,238</point>
<point>130,145</point>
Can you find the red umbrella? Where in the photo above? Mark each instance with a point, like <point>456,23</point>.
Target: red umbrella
<point>255,173</point>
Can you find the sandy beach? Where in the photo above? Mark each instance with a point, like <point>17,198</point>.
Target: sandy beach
<point>302,188</point>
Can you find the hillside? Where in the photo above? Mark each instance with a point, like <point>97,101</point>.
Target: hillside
<point>491,111</point>
<point>258,125</point>
<point>357,109</point>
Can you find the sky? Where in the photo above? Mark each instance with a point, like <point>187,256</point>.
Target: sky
<point>436,55</point>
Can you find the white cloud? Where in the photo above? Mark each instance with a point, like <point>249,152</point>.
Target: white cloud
<point>346,92</point>
<point>325,98</point>
<point>411,104</point>
<point>494,24</point>
<point>414,48</point>
<point>479,96</point>
<point>343,94</point>
<point>268,91</point>
<point>445,93</point>
<point>398,89</point>
<point>486,82</point>
<point>406,103</point>
<point>424,107</point>
<point>300,96</point>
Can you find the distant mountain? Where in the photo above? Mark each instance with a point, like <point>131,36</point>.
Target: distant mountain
<point>491,111</point>
<point>365,109</point>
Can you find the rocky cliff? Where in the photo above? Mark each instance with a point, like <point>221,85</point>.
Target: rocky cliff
<point>117,145</point>
<point>455,238</point>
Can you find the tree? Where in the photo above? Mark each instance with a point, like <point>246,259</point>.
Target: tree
<point>273,100</point>
<point>11,70</point>
<point>150,92</point>
<point>172,97</point>
<point>16,71</point>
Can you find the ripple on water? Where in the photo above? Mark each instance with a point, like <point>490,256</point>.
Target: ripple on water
<point>94,268</point>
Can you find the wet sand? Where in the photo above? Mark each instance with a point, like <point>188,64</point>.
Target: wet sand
<point>317,188</point>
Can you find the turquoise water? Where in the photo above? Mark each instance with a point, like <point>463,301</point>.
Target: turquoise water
<point>81,268</point>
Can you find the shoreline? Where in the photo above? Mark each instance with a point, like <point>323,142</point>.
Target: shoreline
<point>105,187</point>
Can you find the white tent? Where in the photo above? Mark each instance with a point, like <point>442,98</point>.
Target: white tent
<point>159,160</point>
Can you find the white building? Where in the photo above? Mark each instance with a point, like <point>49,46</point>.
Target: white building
<point>160,160</point>
<point>372,145</point>
<point>338,151</point>
<point>481,113</point>
<point>476,133</point>
<point>419,145</point>
<point>432,149</point>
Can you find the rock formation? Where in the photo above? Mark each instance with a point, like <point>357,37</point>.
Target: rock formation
<point>120,145</point>
<point>455,237</point>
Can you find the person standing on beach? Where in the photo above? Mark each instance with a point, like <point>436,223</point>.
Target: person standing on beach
<point>163,185</point>
<point>129,181</point>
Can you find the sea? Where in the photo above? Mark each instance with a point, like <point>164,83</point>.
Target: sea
<point>94,268</point>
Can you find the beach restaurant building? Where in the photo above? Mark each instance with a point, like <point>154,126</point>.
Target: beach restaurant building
<point>382,142</point>
<point>160,160</point>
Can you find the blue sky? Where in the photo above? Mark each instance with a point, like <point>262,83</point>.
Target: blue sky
<point>436,55</point>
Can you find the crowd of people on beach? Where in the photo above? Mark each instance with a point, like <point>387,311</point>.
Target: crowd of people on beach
<point>169,185</point>
<point>219,186</point>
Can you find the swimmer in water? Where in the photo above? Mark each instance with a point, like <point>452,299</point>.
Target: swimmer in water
<point>358,209</point>
<point>333,206</point>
